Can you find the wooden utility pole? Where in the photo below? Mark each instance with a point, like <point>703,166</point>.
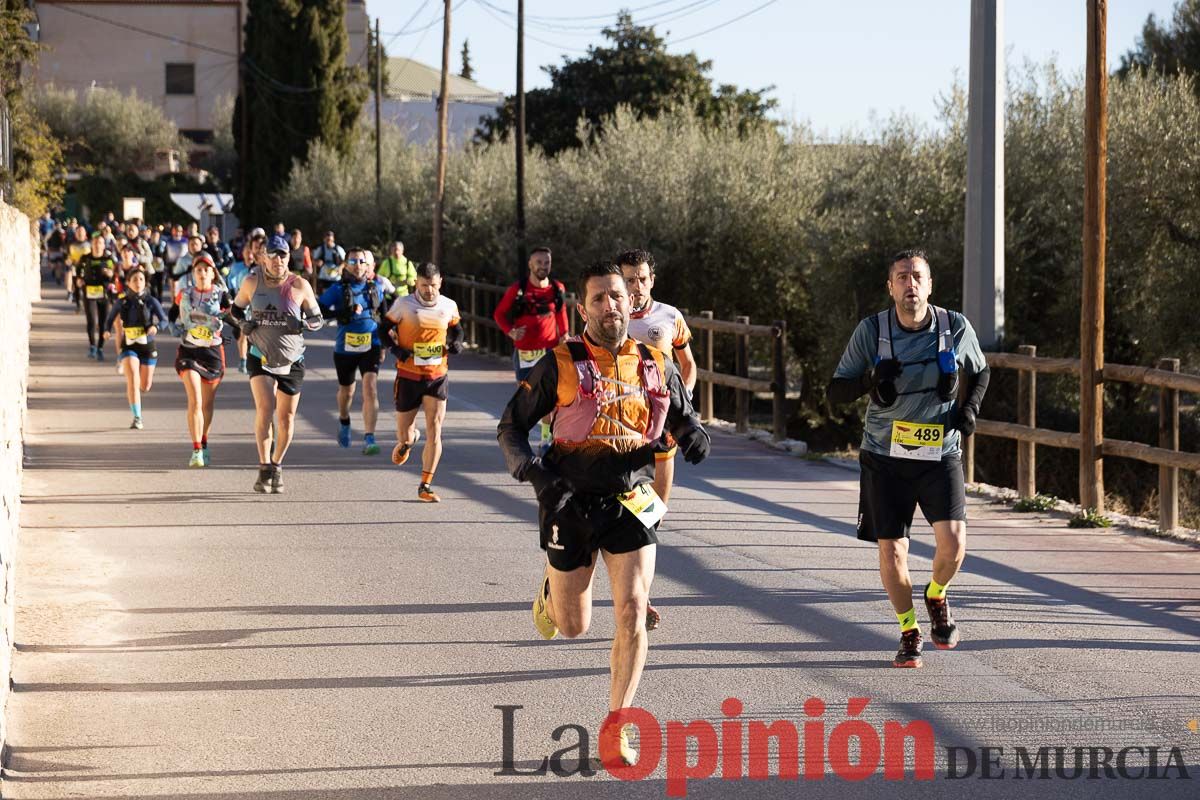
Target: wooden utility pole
<point>378,118</point>
<point>522,254</point>
<point>443,109</point>
<point>243,144</point>
<point>1091,318</point>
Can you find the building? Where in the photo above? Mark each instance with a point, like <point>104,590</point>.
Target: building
<point>181,55</point>
<point>409,102</point>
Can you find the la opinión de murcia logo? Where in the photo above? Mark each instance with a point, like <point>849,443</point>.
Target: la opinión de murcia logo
<point>854,749</point>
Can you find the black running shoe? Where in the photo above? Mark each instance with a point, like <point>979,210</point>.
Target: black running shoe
<point>276,479</point>
<point>909,654</point>
<point>263,484</point>
<point>943,631</point>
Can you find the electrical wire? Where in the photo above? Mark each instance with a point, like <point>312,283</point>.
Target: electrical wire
<point>727,23</point>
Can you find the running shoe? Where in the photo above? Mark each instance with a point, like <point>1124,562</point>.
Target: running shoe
<point>344,434</point>
<point>541,620</point>
<point>909,654</point>
<point>91,351</point>
<point>197,459</point>
<point>943,631</point>
<point>652,617</point>
<point>426,494</point>
<point>276,479</point>
<point>625,751</point>
<point>263,484</point>
<point>369,446</point>
<point>242,366</point>
<point>99,354</point>
<point>207,458</point>
<point>136,425</point>
<point>400,454</point>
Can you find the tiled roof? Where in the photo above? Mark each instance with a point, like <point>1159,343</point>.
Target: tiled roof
<point>408,79</point>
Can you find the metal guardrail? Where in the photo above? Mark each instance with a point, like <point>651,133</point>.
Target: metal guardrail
<point>477,301</point>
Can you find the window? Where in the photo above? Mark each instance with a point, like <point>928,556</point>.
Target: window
<point>181,78</point>
<point>197,135</point>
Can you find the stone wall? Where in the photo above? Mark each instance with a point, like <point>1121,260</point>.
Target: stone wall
<point>20,285</point>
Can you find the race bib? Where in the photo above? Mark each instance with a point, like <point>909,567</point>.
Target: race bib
<point>427,354</point>
<point>919,441</point>
<point>645,504</point>
<point>358,342</point>
<point>528,358</point>
<point>95,292</point>
<point>200,335</point>
<point>135,335</point>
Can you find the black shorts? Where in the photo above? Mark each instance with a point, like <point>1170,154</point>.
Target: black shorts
<point>147,354</point>
<point>408,392</point>
<point>588,523</point>
<point>288,384</point>
<point>208,362</point>
<point>890,489</point>
<point>347,364</point>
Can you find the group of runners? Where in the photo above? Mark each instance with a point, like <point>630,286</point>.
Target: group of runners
<point>611,408</point>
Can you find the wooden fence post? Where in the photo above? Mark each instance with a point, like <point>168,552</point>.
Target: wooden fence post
<point>572,313</point>
<point>1027,415</point>
<point>968,446</point>
<point>779,382</point>
<point>707,412</point>
<point>742,369</point>
<point>1168,437</point>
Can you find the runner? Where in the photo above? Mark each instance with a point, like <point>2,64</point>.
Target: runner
<point>173,248</point>
<point>355,302</point>
<point>200,360</point>
<point>76,250</point>
<point>401,272</point>
<point>195,246</point>
<point>139,317</point>
<point>327,260</point>
<point>612,398</point>
<point>427,328</point>
<point>251,247</point>
<point>281,306</point>
<point>95,272</point>
<point>662,326</point>
<point>533,313</point>
<point>909,359</point>
<point>221,254</point>
<point>300,261</point>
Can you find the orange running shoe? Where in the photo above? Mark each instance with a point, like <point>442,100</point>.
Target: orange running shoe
<point>400,453</point>
<point>426,494</point>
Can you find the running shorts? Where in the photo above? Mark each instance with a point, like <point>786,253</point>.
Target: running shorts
<point>891,488</point>
<point>208,362</point>
<point>408,393</point>
<point>289,384</point>
<point>145,353</point>
<point>588,523</point>
<point>347,364</point>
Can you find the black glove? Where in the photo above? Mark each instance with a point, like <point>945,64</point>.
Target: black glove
<point>883,381</point>
<point>454,348</point>
<point>552,490</point>
<point>964,420</point>
<point>400,353</point>
<point>454,339</point>
<point>694,443</point>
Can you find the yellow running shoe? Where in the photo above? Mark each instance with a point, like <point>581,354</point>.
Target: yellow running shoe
<point>541,620</point>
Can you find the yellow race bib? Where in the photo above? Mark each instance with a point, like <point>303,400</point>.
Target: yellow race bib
<point>645,504</point>
<point>133,334</point>
<point>528,358</point>
<point>427,353</point>
<point>94,292</point>
<point>201,334</point>
<point>920,441</point>
<point>358,342</point>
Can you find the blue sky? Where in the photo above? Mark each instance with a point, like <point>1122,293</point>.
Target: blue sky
<point>833,64</point>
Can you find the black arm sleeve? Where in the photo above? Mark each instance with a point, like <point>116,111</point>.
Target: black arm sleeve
<point>237,312</point>
<point>535,398</point>
<point>455,335</point>
<point>976,388</point>
<point>681,417</point>
<point>173,314</point>
<point>847,390</point>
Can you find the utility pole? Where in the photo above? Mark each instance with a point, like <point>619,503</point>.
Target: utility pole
<point>522,255</point>
<point>245,118</point>
<point>983,257</point>
<point>1091,318</point>
<point>443,109</point>
<point>378,118</point>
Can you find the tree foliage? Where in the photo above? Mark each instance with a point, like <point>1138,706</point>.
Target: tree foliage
<point>635,71</point>
<point>299,90</point>
<point>466,71</point>
<point>1172,49</point>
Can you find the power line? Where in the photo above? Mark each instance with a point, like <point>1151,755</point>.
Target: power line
<point>404,28</point>
<point>156,34</point>
<point>659,18</point>
<point>513,27</point>
<point>597,16</point>
<point>724,24</point>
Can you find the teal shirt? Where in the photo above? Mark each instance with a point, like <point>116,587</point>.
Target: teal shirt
<point>917,351</point>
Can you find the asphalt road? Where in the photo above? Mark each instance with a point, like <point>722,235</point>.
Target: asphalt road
<point>180,636</point>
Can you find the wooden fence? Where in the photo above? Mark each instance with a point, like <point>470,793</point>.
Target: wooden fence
<point>477,301</point>
<point>1166,455</point>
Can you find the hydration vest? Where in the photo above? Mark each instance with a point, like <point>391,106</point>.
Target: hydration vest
<point>523,305</point>
<point>576,423</point>
<point>346,312</point>
<point>947,359</point>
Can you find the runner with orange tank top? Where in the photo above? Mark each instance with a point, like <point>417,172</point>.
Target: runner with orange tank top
<point>425,328</point>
